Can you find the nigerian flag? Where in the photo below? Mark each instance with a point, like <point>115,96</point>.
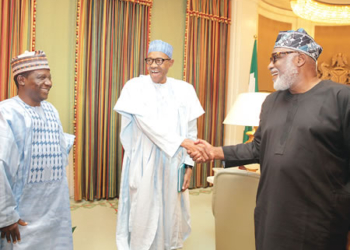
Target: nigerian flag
<point>253,83</point>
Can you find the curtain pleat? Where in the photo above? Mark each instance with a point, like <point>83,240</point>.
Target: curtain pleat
<point>17,34</point>
<point>206,67</point>
<point>112,38</point>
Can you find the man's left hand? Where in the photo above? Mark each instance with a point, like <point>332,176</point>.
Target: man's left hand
<point>187,179</point>
<point>11,232</point>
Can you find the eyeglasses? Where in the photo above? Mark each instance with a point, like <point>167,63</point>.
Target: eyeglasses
<point>159,61</point>
<point>275,56</point>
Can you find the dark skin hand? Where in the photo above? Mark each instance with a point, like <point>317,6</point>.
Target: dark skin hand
<point>12,231</point>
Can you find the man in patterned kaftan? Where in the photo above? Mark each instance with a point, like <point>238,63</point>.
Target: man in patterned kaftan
<point>34,198</point>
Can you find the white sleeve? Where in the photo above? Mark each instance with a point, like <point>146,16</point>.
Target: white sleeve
<point>192,135</point>
<point>157,133</point>
<point>196,110</point>
<point>8,168</point>
<point>8,214</point>
<point>132,108</point>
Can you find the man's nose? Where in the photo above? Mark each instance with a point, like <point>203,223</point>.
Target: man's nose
<point>271,65</point>
<point>48,82</point>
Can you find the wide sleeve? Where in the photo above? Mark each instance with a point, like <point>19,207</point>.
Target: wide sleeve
<point>195,107</point>
<point>132,107</point>
<point>246,153</point>
<point>9,162</point>
<point>195,111</point>
<point>157,132</point>
<point>69,138</point>
<point>192,135</point>
<point>242,154</point>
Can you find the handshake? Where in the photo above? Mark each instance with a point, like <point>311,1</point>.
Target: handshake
<point>201,151</point>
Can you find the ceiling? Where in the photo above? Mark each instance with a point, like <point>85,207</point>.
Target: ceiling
<point>285,4</point>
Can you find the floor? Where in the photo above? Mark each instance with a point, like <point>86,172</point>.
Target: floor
<point>95,223</point>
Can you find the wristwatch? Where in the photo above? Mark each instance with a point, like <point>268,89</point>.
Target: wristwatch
<point>188,166</point>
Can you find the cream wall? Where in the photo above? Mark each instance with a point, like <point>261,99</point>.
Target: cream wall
<point>168,24</point>
<point>55,34</point>
<point>55,29</point>
<point>243,29</point>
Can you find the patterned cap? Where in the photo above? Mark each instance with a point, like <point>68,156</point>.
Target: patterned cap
<point>160,46</point>
<point>298,40</point>
<point>29,61</point>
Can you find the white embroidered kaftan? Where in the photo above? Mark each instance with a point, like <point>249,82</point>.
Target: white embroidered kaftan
<point>156,118</point>
<point>33,183</point>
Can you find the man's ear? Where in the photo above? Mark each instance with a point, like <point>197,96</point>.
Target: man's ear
<point>20,80</point>
<point>301,59</point>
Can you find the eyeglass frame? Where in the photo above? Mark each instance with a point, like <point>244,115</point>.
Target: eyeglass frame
<point>155,60</point>
<point>275,56</point>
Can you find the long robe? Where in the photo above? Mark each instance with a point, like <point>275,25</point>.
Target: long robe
<point>303,146</point>
<point>33,183</point>
<point>156,118</point>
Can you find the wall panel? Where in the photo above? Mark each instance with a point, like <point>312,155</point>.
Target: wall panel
<point>333,39</point>
<point>267,33</point>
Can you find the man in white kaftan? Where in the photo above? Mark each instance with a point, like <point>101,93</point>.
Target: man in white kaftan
<point>159,122</point>
<point>34,197</point>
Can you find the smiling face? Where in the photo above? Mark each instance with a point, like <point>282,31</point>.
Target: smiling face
<point>158,72</point>
<point>34,88</point>
<point>283,70</point>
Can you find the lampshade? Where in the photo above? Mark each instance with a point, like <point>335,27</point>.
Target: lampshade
<point>246,109</point>
<point>317,11</point>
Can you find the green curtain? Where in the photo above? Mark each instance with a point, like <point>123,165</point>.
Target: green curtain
<point>112,38</point>
<point>206,67</point>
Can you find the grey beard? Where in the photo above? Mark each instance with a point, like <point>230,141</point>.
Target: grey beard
<point>286,81</point>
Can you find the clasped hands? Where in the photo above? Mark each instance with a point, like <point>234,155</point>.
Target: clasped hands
<point>199,150</point>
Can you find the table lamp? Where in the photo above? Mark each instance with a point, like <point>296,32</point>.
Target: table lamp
<point>246,111</point>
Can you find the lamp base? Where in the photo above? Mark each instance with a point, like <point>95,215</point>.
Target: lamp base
<point>251,135</point>
<point>251,138</point>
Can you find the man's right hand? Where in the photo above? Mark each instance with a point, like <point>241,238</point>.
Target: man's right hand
<point>195,149</point>
<point>213,153</point>
<point>12,231</point>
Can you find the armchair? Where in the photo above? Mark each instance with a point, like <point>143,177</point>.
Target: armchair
<point>233,204</point>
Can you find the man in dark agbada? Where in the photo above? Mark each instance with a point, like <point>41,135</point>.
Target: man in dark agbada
<point>303,147</point>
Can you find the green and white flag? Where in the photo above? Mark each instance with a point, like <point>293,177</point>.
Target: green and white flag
<point>253,83</point>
